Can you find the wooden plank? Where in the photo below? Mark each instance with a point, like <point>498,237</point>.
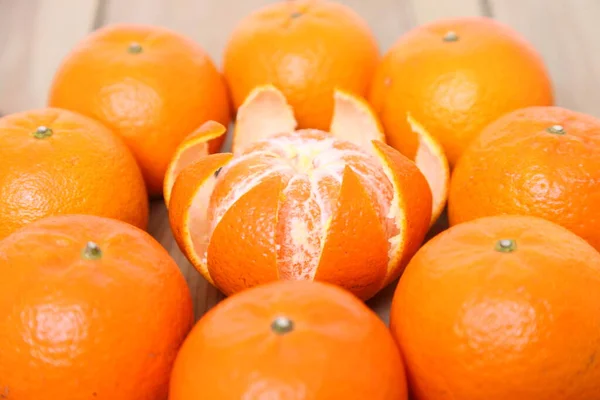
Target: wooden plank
<point>35,35</point>
<point>566,34</point>
<point>430,10</point>
<point>388,19</point>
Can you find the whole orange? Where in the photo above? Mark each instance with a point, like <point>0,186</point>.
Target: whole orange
<point>149,84</point>
<point>498,308</point>
<point>541,161</point>
<point>289,340</point>
<point>454,76</point>
<point>90,308</point>
<point>55,161</point>
<point>306,48</point>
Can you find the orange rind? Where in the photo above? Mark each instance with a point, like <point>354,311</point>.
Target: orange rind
<point>432,161</point>
<point>194,146</point>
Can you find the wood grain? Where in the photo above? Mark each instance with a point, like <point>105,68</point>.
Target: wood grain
<point>431,10</point>
<point>36,34</point>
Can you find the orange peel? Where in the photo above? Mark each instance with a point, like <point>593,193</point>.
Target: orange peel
<point>433,163</point>
<point>192,148</point>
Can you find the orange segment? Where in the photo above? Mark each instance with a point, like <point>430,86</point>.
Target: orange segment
<point>355,121</point>
<point>242,250</point>
<point>188,213</point>
<point>355,253</point>
<point>194,146</point>
<point>264,112</point>
<point>432,161</point>
<point>411,206</point>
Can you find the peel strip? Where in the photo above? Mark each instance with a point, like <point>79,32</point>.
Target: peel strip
<point>354,120</point>
<point>191,149</point>
<point>265,112</point>
<point>433,163</point>
<point>188,214</point>
<point>411,206</point>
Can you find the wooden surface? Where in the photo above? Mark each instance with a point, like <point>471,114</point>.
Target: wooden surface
<point>36,34</point>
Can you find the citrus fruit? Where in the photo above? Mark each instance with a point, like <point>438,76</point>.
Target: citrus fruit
<point>502,307</point>
<point>300,204</point>
<point>452,77</point>
<point>353,119</point>
<point>289,340</point>
<point>540,161</point>
<point>149,84</point>
<point>306,48</point>
<point>90,308</point>
<point>55,161</point>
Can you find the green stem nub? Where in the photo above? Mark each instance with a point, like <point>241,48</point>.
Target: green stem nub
<point>42,132</point>
<point>557,130</point>
<point>450,36</point>
<point>282,325</point>
<point>134,48</point>
<point>506,245</point>
<point>295,14</point>
<point>91,251</point>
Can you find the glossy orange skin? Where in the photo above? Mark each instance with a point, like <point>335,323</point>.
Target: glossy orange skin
<point>153,98</point>
<point>74,328</point>
<point>474,323</point>
<point>456,88</point>
<point>82,167</point>
<point>517,167</point>
<point>306,48</point>
<point>337,349</point>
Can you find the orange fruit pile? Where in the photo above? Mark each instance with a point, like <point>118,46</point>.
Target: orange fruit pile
<point>342,169</point>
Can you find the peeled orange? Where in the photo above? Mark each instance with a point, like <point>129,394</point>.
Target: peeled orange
<point>338,206</point>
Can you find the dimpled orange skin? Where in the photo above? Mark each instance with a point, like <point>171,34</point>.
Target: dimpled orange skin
<point>81,167</point>
<point>153,98</point>
<point>306,48</point>
<point>337,348</point>
<point>517,166</point>
<point>455,88</point>
<point>76,328</point>
<point>475,323</point>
